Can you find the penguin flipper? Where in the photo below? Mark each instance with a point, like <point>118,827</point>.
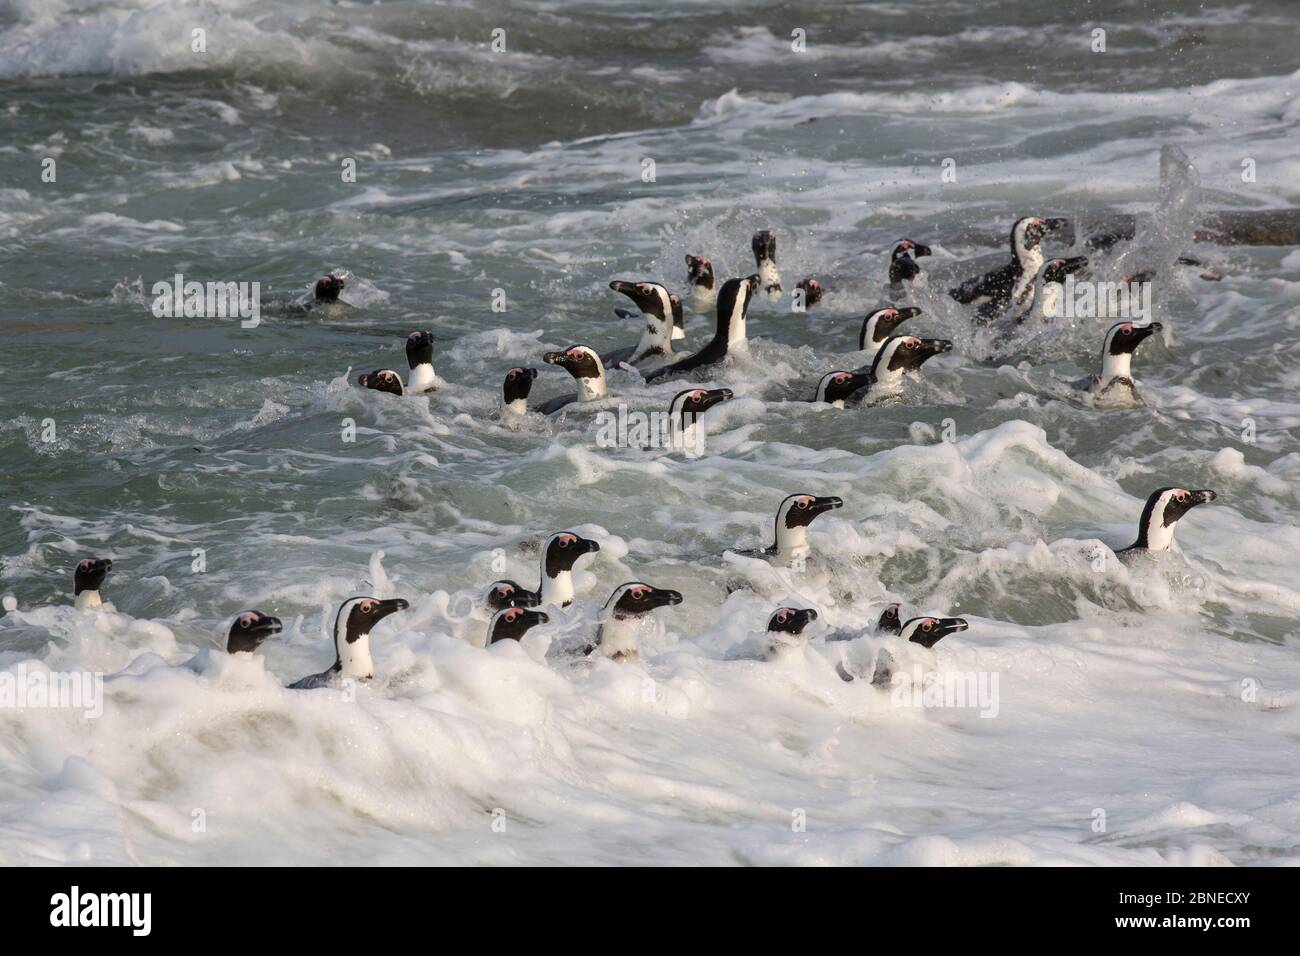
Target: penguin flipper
<point>312,681</point>
<point>555,404</point>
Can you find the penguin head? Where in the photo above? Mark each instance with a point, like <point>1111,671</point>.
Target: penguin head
<point>907,353</point>
<point>518,383</point>
<point>328,288</point>
<point>679,317</point>
<point>929,631</point>
<point>688,405</point>
<point>1163,509</point>
<point>357,616</point>
<point>512,623</point>
<point>1028,233</point>
<point>879,325</point>
<point>1123,338</point>
<point>791,620</point>
<point>837,386</point>
<point>578,360</point>
<point>506,593</point>
<point>563,549</point>
<point>637,598</point>
<point>382,380</point>
<point>419,349</point>
<point>890,622</point>
<point>764,245</point>
<point>699,271</point>
<point>89,574</point>
<point>1055,270</point>
<point>249,630</point>
<point>650,297</point>
<point>812,291</point>
<point>798,511</point>
<point>907,249</point>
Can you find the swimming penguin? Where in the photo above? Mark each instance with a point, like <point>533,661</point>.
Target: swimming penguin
<point>1115,383</point>
<point>879,325</point>
<point>616,637</point>
<point>356,616</point>
<point>382,380</point>
<point>249,630</point>
<point>701,292</point>
<point>587,370</point>
<point>327,288</point>
<point>1049,289</point>
<point>812,291</point>
<point>898,654</point>
<point>514,390</point>
<point>764,245</point>
<point>512,623</point>
<point>785,630</point>
<point>560,553</point>
<point>791,527</point>
<point>1160,516</point>
<point>684,413</point>
<point>506,593</point>
<point>87,579</point>
<point>1014,282</point>
<point>733,308</point>
<point>890,622</point>
<point>419,356</point>
<point>835,387</point>
<point>901,355</point>
<point>904,271</point>
<point>656,311</point>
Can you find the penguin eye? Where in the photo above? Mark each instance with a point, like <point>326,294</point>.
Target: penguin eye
<point>513,373</point>
<point>782,616</point>
<point>247,620</point>
<point>1180,495</point>
<point>510,616</point>
<point>505,589</point>
<point>842,378</point>
<point>927,625</point>
<point>911,343</point>
<point>638,593</point>
<point>366,606</point>
<point>84,565</point>
<point>802,503</point>
<point>575,353</point>
<point>565,540</point>
<point>1126,328</point>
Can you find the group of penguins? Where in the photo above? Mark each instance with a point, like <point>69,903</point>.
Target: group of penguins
<point>1026,289</point>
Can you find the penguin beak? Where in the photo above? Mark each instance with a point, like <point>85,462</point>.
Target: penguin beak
<point>928,349</point>
<point>662,597</point>
<point>557,358</point>
<point>1074,264</point>
<point>803,618</point>
<point>920,250</point>
<point>830,503</point>
<point>715,397</point>
<point>1051,225</point>
<point>391,606</point>
<point>533,618</point>
<point>101,566</point>
<point>907,312</point>
<point>586,546</point>
<point>1141,333</point>
<point>1202,496</point>
<point>266,626</point>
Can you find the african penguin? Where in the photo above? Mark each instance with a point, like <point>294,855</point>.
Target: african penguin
<point>616,638</point>
<point>382,380</point>
<point>1014,282</point>
<point>835,387</point>
<point>879,325</point>
<point>901,355</point>
<point>249,630</point>
<point>898,654</point>
<point>514,390</point>
<point>1115,383</point>
<point>327,288</point>
<point>352,625</point>
<point>702,292</point>
<point>1049,289</point>
<point>1160,516</point>
<point>812,292</point>
<point>764,246</point>
<point>587,370</point>
<point>512,623</point>
<point>419,356</point>
<point>560,553</point>
<point>87,579</point>
<point>791,527</point>
<point>904,271</point>
<point>506,593</point>
<point>656,312</point>
<point>733,307</point>
<point>684,413</point>
<point>890,622</point>
<point>785,630</point>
